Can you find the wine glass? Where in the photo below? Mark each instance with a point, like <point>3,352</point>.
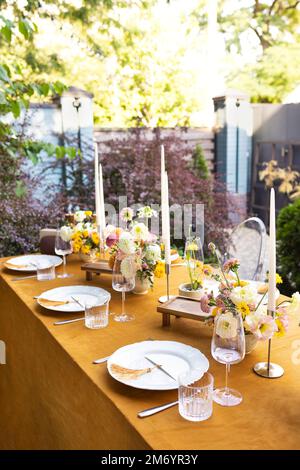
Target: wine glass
<point>193,251</point>
<point>63,248</point>
<point>123,280</point>
<point>193,256</point>
<point>228,347</point>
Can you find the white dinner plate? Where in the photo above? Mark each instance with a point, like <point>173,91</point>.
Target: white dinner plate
<point>174,357</point>
<point>22,263</point>
<point>86,295</point>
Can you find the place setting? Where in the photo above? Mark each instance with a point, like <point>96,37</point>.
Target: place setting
<point>43,265</point>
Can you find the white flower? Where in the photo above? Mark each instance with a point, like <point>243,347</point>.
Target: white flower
<point>79,216</point>
<point>227,326</point>
<point>246,294</point>
<point>66,233</point>
<point>79,227</point>
<point>261,325</point>
<point>108,230</point>
<point>126,214</point>
<point>140,232</point>
<point>128,268</point>
<point>126,244</point>
<point>147,212</point>
<point>294,306</point>
<point>152,253</point>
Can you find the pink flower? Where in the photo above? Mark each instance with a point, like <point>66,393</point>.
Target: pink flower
<point>220,303</point>
<point>152,238</point>
<point>204,304</point>
<point>231,264</point>
<point>262,326</point>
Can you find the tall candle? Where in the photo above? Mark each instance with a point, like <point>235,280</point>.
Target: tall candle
<point>167,220</point>
<point>97,192</point>
<point>272,255</point>
<point>101,198</point>
<point>162,182</point>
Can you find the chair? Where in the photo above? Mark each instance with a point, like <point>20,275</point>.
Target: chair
<point>247,243</point>
<point>47,241</point>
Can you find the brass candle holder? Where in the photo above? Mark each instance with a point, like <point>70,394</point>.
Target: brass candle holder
<point>269,370</point>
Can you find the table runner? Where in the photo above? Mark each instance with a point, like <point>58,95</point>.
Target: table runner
<point>53,397</point>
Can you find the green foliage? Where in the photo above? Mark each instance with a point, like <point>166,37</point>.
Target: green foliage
<point>16,92</point>
<point>274,75</point>
<point>288,235</point>
<point>263,38</point>
<point>199,163</point>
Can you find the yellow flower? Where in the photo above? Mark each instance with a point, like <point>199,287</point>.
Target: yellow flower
<point>95,238</point>
<point>280,331</point>
<point>207,269</point>
<point>199,264</point>
<point>85,249</point>
<point>241,284</point>
<point>88,213</point>
<point>159,269</point>
<point>215,311</point>
<point>243,308</point>
<point>111,261</point>
<point>85,233</point>
<point>76,236</point>
<point>278,279</point>
<point>76,247</point>
<point>192,247</point>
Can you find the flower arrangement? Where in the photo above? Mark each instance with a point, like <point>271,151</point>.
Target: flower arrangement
<point>138,242</point>
<point>238,296</point>
<point>81,229</point>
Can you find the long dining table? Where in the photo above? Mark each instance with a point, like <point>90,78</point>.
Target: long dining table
<point>53,397</point>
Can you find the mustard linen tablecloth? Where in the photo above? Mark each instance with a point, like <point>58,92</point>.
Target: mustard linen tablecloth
<point>53,397</point>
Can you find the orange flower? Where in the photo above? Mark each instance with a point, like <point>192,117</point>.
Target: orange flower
<point>111,261</point>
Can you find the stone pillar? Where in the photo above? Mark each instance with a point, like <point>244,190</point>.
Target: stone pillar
<point>233,145</point>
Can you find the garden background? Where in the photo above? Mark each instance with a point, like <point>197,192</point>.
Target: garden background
<point>151,65</point>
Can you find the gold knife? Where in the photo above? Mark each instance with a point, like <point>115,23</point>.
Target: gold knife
<point>160,368</point>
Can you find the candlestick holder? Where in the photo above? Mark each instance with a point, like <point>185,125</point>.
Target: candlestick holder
<point>269,369</point>
<point>165,298</point>
<point>101,243</point>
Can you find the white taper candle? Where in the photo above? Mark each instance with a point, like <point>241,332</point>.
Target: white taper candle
<point>167,221</point>
<point>162,182</point>
<point>272,255</point>
<point>102,203</point>
<point>97,192</point>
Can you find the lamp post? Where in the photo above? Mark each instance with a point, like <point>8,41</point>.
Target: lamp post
<point>77,106</point>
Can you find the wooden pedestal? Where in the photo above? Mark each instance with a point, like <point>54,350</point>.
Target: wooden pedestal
<point>100,267</point>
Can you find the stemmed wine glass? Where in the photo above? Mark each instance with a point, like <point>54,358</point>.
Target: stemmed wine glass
<point>63,248</point>
<point>228,347</point>
<point>122,283</point>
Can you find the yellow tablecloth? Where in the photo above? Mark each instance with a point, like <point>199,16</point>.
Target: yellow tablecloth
<point>53,397</point>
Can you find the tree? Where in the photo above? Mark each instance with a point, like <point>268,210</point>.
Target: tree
<point>262,36</point>
<point>118,51</point>
<point>21,216</point>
